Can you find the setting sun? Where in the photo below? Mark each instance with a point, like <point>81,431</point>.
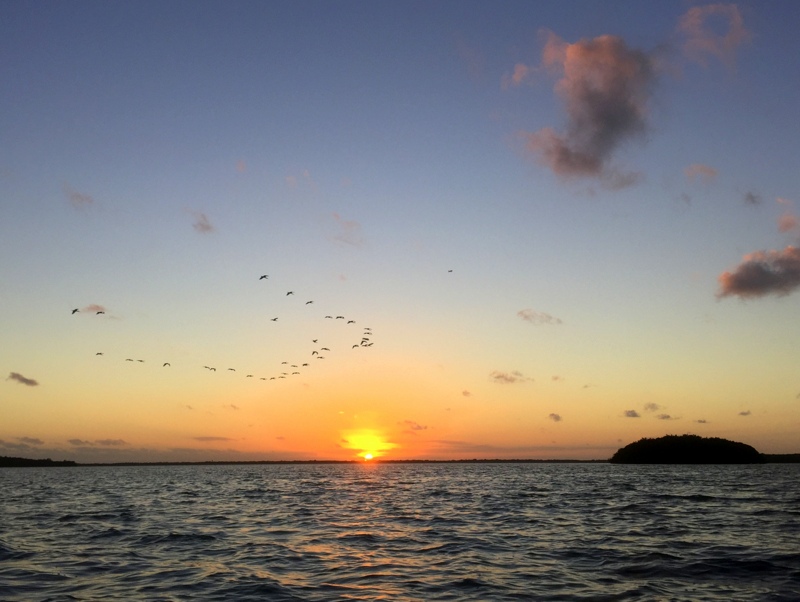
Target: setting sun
<point>370,443</point>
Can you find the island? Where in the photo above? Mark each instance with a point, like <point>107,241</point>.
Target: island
<point>687,449</point>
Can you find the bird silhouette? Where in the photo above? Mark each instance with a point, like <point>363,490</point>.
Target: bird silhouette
<point>274,319</point>
<point>340,317</point>
<point>99,312</point>
<point>351,321</point>
<point>99,353</point>
<point>264,277</point>
<point>232,369</point>
<point>76,310</point>
<point>166,364</point>
<point>290,293</point>
<point>249,376</point>
<point>330,317</point>
<point>309,302</point>
<point>324,349</point>
<point>128,360</point>
<point>142,361</point>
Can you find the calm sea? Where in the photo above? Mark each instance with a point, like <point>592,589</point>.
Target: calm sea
<point>401,532</point>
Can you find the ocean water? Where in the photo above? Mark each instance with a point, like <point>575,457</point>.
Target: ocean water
<point>400,532</point>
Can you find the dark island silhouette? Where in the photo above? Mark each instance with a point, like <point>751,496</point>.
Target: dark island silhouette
<point>687,449</point>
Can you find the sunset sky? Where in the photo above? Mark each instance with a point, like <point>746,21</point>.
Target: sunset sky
<point>549,228</point>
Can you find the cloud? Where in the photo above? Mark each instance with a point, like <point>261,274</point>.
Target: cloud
<point>788,221</point>
<point>202,224</point>
<point>22,380</point>
<point>763,273</point>
<point>537,317</point>
<point>79,443</point>
<point>631,414</point>
<point>701,421</point>
<point>701,38</point>
<point>466,393</point>
<point>606,87</point>
<point>349,231</point>
<point>665,417</point>
<point>78,199</point>
<point>211,438</point>
<point>241,166</point>
<point>111,442</point>
<point>751,198</point>
<point>651,407</point>
<point>507,378</point>
<point>520,74</point>
<point>745,413</point>
<point>555,417</point>
<point>22,446</point>
<point>557,378</point>
<point>698,171</point>
<point>412,427</point>
<point>30,440</point>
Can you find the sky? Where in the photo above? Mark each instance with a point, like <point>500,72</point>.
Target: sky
<point>400,230</point>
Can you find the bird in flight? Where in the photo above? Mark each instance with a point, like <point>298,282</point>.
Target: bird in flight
<point>309,302</point>
<point>264,277</point>
<point>99,353</point>
<point>76,310</point>
<point>290,293</point>
<point>166,364</point>
<point>128,360</point>
<point>274,319</point>
<point>351,321</point>
<point>99,312</point>
<point>232,369</point>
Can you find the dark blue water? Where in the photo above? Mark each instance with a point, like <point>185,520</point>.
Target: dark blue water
<point>401,532</point>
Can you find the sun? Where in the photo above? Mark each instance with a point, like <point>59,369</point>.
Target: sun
<point>370,443</point>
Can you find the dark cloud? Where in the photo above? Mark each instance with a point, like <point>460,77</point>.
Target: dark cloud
<point>80,443</point>
<point>507,378</point>
<point>537,317</point>
<point>745,413</point>
<point>412,427</point>
<point>111,442</point>
<point>555,417</point>
<point>22,446</point>
<point>211,438</point>
<point>77,199</point>
<point>702,38</point>
<point>751,198</point>
<point>763,273</point>
<point>651,407</point>
<point>201,223</point>
<point>631,414</point>
<point>30,440</point>
<point>606,87</point>
<point>665,417</point>
<point>22,380</point>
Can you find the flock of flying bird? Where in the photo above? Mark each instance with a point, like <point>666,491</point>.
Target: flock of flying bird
<point>288,369</point>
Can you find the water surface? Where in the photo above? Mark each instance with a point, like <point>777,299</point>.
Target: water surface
<point>401,532</point>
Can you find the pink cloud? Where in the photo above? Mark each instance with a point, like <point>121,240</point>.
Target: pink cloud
<point>78,199</point>
<point>763,273</point>
<point>702,41</point>
<point>698,171</point>
<point>349,231</point>
<point>606,87</point>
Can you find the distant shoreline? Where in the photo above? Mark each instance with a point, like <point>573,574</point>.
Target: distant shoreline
<point>9,462</point>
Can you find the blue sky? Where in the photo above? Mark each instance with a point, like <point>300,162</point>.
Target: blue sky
<point>158,158</point>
